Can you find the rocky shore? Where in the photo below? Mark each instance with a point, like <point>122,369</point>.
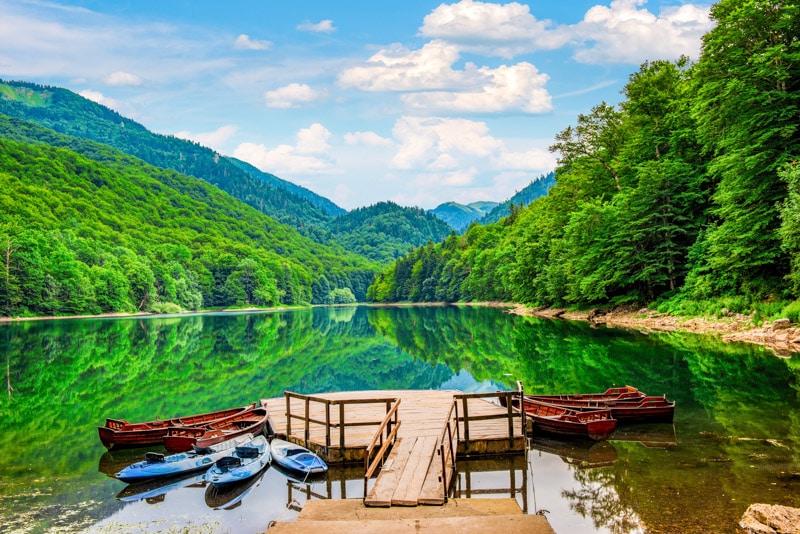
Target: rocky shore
<point>781,336</point>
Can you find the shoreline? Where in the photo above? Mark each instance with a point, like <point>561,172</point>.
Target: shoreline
<point>780,336</point>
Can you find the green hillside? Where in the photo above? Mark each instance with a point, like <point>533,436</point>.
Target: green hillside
<point>88,229</point>
<point>537,188</point>
<point>71,114</point>
<point>385,231</point>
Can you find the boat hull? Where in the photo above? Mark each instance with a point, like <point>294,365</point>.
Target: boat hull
<point>297,460</point>
<point>246,462</point>
<point>158,466</point>
<point>180,439</point>
<point>119,433</point>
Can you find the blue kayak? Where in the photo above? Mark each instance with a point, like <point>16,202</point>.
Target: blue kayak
<point>246,461</point>
<point>296,459</point>
<point>158,465</point>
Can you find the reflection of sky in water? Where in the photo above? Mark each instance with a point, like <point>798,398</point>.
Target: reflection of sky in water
<point>464,381</point>
<point>186,508</point>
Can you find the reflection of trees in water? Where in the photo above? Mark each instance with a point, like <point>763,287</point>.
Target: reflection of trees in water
<point>597,498</point>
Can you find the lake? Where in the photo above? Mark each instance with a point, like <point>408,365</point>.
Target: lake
<point>735,439</point>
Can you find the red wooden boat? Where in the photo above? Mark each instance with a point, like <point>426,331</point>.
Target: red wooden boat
<point>628,407</point>
<point>184,438</point>
<point>119,433</point>
<point>625,393</point>
<point>562,421</point>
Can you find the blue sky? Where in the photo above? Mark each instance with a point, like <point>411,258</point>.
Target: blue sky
<point>418,102</point>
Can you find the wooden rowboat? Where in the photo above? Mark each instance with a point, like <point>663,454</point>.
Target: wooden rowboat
<point>625,408</point>
<point>182,438</point>
<point>615,394</point>
<point>119,433</point>
<point>561,421</point>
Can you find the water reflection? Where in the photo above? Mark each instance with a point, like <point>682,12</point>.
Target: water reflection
<point>735,440</point>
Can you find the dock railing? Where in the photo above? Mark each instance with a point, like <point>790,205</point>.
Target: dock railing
<point>379,445</point>
<point>339,423</point>
<point>464,418</point>
<point>448,446</point>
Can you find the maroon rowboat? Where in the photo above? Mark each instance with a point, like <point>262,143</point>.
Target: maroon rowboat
<point>183,438</point>
<point>119,433</point>
<point>615,394</point>
<point>625,408</point>
<point>562,421</point>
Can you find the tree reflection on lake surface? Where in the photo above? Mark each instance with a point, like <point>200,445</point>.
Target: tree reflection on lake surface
<point>735,439</point>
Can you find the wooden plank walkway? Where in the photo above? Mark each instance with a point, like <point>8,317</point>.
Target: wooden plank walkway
<point>412,474</point>
<point>459,516</point>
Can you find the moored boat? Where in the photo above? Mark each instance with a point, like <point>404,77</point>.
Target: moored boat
<point>559,420</point>
<point>613,394</point>
<point>158,465</point>
<point>639,408</point>
<point>244,462</point>
<point>119,433</point>
<point>296,459</point>
<point>182,438</point>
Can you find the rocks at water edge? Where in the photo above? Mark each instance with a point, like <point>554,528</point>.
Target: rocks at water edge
<point>771,519</point>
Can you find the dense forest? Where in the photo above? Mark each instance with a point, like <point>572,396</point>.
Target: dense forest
<point>86,229</point>
<point>685,196</point>
<point>310,214</point>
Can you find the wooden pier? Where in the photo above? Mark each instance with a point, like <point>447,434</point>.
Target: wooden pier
<point>410,438</point>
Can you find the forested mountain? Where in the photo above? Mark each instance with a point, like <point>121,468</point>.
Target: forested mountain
<point>685,195</point>
<point>385,231</point>
<point>71,114</point>
<point>87,229</point>
<point>537,188</point>
<point>460,216</point>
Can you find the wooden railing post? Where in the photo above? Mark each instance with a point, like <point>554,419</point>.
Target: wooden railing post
<point>341,429</point>
<point>510,421</point>
<point>288,414</point>
<point>327,427</point>
<point>308,401</point>
<point>466,421</point>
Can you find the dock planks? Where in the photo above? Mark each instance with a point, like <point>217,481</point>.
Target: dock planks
<point>412,473</point>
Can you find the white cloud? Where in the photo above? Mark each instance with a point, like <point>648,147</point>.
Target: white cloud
<point>366,138</point>
<point>519,87</point>
<point>622,33</point>
<point>435,87</point>
<point>244,42</point>
<point>325,26</point>
<point>98,97</point>
<point>292,95</point>
<point>309,156</point>
<point>122,78</point>
<point>215,139</point>
<point>491,29</point>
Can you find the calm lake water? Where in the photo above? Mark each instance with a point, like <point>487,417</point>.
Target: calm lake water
<point>735,439</point>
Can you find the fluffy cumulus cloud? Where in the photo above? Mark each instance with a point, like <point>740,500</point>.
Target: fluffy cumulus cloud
<point>215,139</point>
<point>310,155</point>
<point>292,96</point>
<point>122,78</point>
<point>623,33</point>
<point>244,42</point>
<point>96,96</point>
<point>492,29</point>
<point>366,138</point>
<point>433,84</point>
<point>324,26</point>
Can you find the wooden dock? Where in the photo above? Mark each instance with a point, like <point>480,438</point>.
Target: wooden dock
<point>410,438</point>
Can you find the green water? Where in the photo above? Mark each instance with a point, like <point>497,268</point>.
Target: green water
<point>735,439</point>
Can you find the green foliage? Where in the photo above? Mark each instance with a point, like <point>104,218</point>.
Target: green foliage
<point>85,229</point>
<point>673,197</point>
<point>385,231</point>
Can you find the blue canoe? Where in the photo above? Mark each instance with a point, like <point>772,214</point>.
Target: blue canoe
<point>157,465</point>
<point>296,459</point>
<point>246,461</point>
